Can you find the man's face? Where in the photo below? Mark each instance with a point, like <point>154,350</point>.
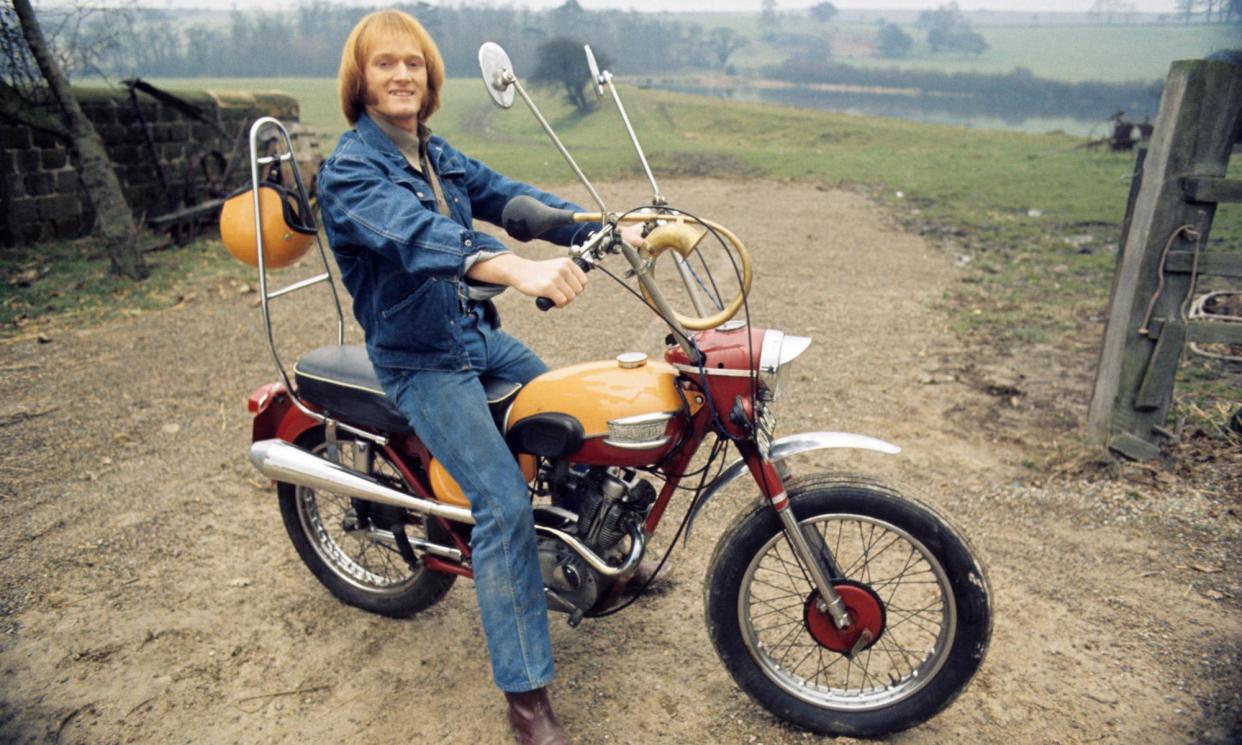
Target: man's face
<point>396,81</point>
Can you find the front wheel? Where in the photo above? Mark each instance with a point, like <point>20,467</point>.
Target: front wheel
<point>919,598</point>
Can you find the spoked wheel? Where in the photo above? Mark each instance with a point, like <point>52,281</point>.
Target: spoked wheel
<point>349,545</point>
<point>917,598</point>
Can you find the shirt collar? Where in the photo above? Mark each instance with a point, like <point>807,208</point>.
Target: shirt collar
<point>378,136</point>
<point>411,145</point>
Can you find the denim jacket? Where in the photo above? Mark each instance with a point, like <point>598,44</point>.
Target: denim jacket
<point>401,260</point>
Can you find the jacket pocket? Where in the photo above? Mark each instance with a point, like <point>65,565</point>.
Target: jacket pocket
<point>408,300</point>
<point>421,321</point>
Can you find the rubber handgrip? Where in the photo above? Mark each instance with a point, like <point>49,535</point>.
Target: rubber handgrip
<point>525,217</point>
<point>546,304</point>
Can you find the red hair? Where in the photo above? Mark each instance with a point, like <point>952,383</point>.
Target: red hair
<point>352,79</point>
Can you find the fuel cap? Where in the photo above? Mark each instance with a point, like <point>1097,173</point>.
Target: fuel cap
<point>629,360</point>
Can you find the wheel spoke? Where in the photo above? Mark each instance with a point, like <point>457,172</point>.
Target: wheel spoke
<point>905,579</point>
<point>371,564</point>
<point>813,648</point>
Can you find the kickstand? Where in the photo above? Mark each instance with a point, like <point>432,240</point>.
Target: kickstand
<point>403,547</point>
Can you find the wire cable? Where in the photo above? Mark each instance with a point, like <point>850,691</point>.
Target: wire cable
<point>717,447</point>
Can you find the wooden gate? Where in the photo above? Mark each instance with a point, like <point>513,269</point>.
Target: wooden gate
<point>1164,251</point>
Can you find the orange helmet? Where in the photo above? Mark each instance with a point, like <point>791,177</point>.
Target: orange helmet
<point>287,227</point>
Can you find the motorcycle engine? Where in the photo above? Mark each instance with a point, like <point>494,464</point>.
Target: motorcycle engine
<point>609,503</point>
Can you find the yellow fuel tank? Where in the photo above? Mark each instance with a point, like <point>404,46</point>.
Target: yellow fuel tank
<point>447,490</point>
<point>596,392</point>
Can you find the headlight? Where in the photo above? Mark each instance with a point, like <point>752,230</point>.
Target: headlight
<point>776,358</point>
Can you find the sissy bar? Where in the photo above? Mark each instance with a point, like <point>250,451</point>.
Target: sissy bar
<point>284,154</point>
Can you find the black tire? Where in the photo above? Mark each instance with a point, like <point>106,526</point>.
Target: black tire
<point>359,571</point>
<point>937,604</point>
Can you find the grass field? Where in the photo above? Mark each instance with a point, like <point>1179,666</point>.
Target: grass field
<point>1074,53</point>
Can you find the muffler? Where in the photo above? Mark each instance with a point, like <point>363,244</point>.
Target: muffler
<point>280,461</point>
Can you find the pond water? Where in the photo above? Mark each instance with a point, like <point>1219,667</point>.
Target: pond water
<point>960,111</point>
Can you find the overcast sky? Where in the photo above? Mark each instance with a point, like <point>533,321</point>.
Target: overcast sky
<point>1034,6</point>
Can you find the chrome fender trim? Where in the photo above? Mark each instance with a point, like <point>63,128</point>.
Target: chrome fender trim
<point>783,448</point>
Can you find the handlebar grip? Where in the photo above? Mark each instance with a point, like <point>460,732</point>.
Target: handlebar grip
<point>546,304</point>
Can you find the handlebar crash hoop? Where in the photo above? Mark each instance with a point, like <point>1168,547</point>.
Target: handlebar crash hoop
<point>683,236</point>
<point>676,233</point>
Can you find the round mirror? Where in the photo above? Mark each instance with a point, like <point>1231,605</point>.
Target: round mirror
<point>595,76</point>
<point>497,73</point>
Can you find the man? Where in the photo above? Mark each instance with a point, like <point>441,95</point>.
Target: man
<point>398,205</point>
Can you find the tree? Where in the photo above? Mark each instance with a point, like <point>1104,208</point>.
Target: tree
<point>892,43</point>
<point>1186,9</point>
<point>562,62</point>
<point>948,30</point>
<point>113,220</point>
<point>724,42</point>
<point>767,17</point>
<point>823,12</point>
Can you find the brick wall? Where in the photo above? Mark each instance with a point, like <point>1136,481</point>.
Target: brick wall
<point>40,194</point>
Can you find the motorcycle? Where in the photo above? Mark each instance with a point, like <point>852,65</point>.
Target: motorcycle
<point>838,604</point>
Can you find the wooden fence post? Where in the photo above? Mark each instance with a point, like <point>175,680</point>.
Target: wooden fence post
<point>1182,182</point>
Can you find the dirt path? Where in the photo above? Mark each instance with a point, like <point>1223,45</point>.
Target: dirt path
<point>150,594</point>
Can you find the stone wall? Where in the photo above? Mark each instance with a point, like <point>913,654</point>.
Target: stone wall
<point>41,197</point>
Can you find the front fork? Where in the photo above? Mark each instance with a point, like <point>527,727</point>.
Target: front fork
<point>816,560</point>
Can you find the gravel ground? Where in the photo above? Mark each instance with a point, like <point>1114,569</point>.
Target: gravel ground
<point>150,593</point>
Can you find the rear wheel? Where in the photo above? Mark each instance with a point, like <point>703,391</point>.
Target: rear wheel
<point>348,544</point>
<point>917,596</point>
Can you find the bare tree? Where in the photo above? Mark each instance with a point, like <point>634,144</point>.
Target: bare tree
<point>1104,11</point>
<point>113,220</point>
<point>724,41</point>
<point>1186,9</point>
<point>561,66</point>
<point>768,20</point>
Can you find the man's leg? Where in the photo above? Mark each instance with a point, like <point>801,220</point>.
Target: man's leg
<point>508,358</point>
<point>449,412</point>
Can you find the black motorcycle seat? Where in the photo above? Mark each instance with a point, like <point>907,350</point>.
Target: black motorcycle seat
<point>340,381</point>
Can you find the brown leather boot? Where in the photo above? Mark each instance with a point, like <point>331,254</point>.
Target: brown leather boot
<point>645,576</point>
<point>532,720</point>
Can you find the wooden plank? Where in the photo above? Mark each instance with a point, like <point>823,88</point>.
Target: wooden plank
<point>1133,447</point>
<point>1136,183</point>
<point>1157,383</point>
<point>1214,332</point>
<point>1215,263</point>
<point>1211,189</point>
<point>1194,134</point>
<point>160,222</point>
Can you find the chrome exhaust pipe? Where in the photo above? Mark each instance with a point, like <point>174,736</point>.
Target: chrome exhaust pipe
<point>280,461</point>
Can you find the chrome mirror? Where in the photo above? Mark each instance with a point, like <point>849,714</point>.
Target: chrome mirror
<point>497,72</point>
<point>596,80</point>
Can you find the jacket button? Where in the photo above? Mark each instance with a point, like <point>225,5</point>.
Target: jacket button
<point>420,195</point>
<point>468,243</point>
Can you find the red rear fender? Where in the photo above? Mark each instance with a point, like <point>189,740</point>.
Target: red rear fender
<point>275,415</point>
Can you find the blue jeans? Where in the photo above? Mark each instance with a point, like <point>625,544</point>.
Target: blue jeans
<point>449,412</point>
